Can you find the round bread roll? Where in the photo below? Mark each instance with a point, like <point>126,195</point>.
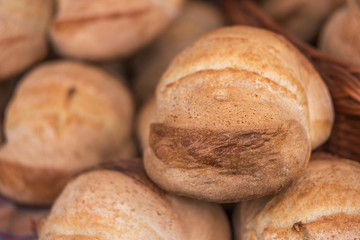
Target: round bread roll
<point>147,115</point>
<point>23,28</point>
<point>195,19</point>
<point>324,203</point>
<point>106,29</point>
<point>65,117</point>
<point>106,204</point>
<point>238,113</point>
<point>303,18</point>
<point>340,36</point>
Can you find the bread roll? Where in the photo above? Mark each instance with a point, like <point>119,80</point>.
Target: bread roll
<point>340,36</point>
<point>238,113</point>
<point>105,29</point>
<point>147,115</point>
<point>106,204</point>
<point>195,19</point>
<point>23,28</point>
<point>324,203</point>
<point>65,117</point>
<point>303,18</point>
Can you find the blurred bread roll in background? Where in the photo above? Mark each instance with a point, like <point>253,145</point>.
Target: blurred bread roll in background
<point>23,38</point>
<point>195,19</point>
<point>237,115</point>
<point>64,117</point>
<point>324,203</point>
<point>107,29</point>
<point>146,116</point>
<point>106,204</point>
<point>340,36</point>
<point>303,18</point>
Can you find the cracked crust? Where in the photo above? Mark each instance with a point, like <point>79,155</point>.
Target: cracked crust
<point>237,115</point>
<point>129,206</point>
<point>101,30</point>
<point>198,163</point>
<point>324,203</point>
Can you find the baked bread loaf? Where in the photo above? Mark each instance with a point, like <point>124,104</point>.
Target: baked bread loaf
<point>64,117</point>
<point>238,113</point>
<point>303,18</point>
<point>340,36</point>
<point>147,115</point>
<point>107,204</point>
<point>195,19</point>
<point>106,29</point>
<point>23,27</point>
<point>324,203</point>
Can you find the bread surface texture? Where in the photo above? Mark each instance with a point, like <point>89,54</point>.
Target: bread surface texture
<point>340,36</point>
<point>324,203</point>
<point>106,204</point>
<point>64,117</point>
<point>237,115</point>
<point>23,28</point>
<point>106,29</point>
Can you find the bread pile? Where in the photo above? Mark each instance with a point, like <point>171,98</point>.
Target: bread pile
<point>222,114</point>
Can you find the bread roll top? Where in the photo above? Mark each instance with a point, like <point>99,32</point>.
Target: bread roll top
<point>68,107</point>
<point>106,204</point>
<point>101,30</point>
<point>242,77</point>
<point>324,203</point>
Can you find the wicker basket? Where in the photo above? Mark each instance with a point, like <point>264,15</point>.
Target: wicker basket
<point>342,79</point>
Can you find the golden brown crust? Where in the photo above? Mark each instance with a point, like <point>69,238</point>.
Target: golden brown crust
<point>99,30</point>
<point>65,117</point>
<point>128,209</point>
<point>340,36</point>
<point>237,115</point>
<point>322,204</point>
<point>23,28</point>
<point>211,160</point>
<point>232,152</point>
